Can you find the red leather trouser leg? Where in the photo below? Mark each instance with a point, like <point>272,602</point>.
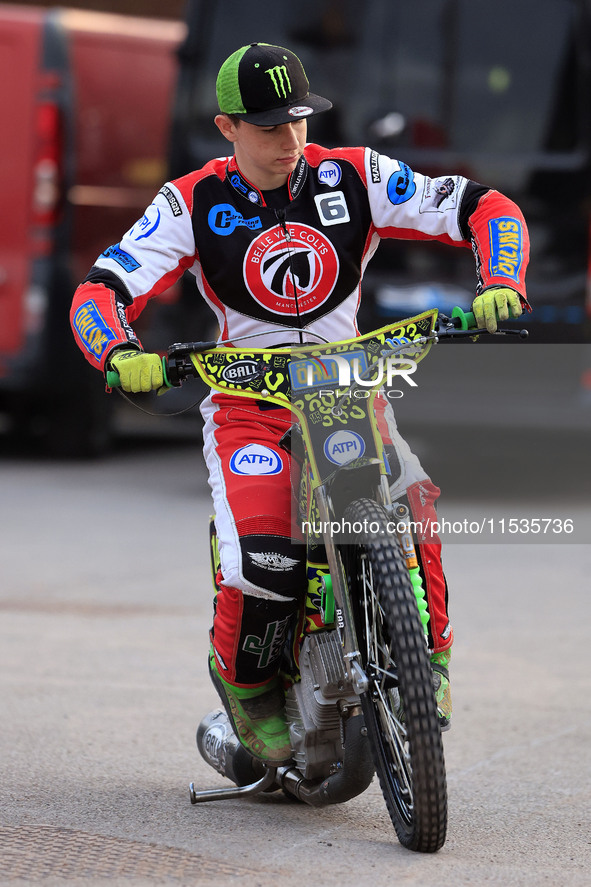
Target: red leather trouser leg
<point>263,570</point>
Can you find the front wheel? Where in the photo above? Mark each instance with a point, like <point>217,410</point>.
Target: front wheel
<point>399,706</point>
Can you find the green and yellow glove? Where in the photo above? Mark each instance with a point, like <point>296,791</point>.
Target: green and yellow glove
<point>137,370</point>
<point>493,304</point>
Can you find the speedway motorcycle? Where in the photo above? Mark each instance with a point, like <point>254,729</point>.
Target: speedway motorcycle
<point>357,675</point>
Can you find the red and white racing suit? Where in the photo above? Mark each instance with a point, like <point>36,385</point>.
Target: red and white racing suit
<point>288,273</point>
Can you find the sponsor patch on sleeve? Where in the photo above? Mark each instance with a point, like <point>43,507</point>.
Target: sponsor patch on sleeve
<point>175,206</point>
<point>439,195</point>
<point>506,247</point>
<point>127,262</point>
<point>146,225</point>
<point>401,185</point>
<point>93,330</point>
<point>374,165</point>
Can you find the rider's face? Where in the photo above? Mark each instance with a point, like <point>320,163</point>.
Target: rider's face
<point>266,155</point>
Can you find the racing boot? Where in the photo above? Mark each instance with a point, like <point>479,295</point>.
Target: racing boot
<point>440,669</point>
<point>221,749</point>
<point>257,715</point>
<point>247,642</point>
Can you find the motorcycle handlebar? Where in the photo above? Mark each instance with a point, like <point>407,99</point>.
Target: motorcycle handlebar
<point>460,320</point>
<point>463,323</point>
<point>178,350</point>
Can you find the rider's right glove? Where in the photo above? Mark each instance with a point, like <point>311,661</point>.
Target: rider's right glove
<point>137,370</point>
<point>494,303</point>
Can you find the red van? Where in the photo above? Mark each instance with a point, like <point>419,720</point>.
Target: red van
<point>85,106</point>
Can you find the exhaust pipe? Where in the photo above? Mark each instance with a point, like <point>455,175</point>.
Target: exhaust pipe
<point>350,780</point>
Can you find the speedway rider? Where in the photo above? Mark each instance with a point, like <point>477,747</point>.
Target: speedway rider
<point>278,237</point>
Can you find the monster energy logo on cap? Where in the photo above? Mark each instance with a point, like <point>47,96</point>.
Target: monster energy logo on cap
<point>261,83</point>
<point>280,78</point>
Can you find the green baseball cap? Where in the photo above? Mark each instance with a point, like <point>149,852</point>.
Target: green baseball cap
<point>266,85</point>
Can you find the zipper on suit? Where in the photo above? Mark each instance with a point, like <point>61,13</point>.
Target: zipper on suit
<point>280,215</point>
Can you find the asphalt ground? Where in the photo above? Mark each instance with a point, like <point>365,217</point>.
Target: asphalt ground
<point>105,604</point>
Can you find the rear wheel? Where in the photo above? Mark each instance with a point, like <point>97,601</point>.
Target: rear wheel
<point>399,706</point>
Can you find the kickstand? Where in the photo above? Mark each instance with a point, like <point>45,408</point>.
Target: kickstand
<point>236,791</point>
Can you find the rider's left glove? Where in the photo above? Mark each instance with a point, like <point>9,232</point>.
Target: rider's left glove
<point>494,304</point>
<point>137,370</point>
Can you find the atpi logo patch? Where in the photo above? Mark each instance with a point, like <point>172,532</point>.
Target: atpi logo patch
<point>256,459</point>
<point>329,173</point>
<point>344,446</point>
<point>276,270</point>
<point>147,224</point>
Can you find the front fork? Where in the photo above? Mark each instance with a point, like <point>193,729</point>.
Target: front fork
<point>403,529</point>
<point>401,515</point>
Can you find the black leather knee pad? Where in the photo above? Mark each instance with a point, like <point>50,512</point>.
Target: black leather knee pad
<point>276,564</point>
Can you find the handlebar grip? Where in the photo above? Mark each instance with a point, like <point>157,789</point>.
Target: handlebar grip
<point>113,381</point>
<point>466,319</point>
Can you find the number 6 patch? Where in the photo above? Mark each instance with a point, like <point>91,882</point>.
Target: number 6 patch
<point>332,208</point>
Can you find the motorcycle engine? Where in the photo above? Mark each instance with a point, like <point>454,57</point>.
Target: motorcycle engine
<point>314,705</point>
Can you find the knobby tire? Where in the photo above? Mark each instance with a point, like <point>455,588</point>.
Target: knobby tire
<point>399,706</point>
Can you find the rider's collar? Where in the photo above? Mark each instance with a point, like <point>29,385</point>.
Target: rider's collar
<point>295,182</point>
